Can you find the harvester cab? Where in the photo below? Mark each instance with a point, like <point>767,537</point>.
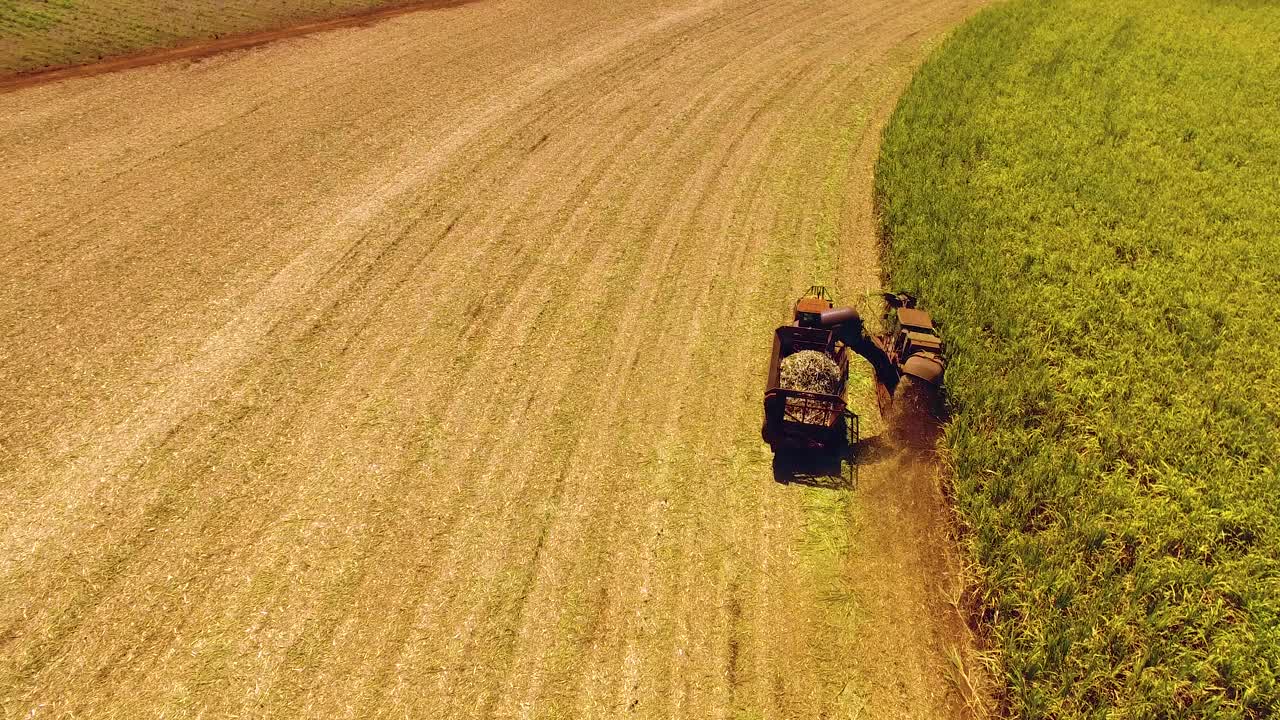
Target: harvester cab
<point>914,345</point>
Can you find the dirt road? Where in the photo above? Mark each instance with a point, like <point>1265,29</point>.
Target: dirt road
<point>413,371</point>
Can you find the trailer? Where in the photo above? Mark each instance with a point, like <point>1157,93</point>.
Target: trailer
<point>796,419</point>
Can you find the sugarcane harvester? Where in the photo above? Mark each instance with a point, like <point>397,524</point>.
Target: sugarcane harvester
<point>804,405</point>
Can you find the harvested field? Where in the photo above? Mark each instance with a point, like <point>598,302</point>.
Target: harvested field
<point>366,375</point>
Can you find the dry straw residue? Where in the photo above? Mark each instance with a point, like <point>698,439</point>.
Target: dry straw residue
<point>810,371</point>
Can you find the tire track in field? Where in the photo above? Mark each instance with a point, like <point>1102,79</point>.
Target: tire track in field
<point>585,303</point>
<point>235,342</point>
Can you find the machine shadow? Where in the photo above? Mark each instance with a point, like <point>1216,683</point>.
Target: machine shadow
<point>833,470</point>
<point>873,450</point>
<point>825,471</point>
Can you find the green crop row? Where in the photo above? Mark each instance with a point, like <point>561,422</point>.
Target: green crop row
<point>1087,195</point>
